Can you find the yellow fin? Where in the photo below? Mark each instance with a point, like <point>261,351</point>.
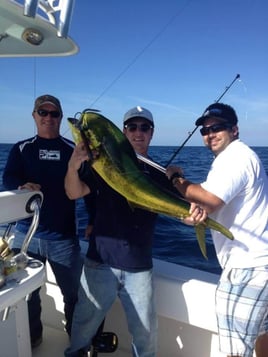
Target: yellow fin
<point>201,238</point>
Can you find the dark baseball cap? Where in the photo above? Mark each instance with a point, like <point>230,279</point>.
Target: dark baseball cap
<point>220,111</point>
<point>47,98</point>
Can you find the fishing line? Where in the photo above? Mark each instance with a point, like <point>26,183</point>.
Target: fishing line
<point>191,133</point>
<point>135,59</point>
<point>34,88</point>
<point>245,115</point>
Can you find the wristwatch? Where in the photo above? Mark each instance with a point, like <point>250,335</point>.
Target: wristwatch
<point>174,178</point>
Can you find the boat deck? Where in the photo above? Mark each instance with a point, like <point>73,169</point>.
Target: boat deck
<point>51,337</point>
<point>186,318</point>
<point>175,338</point>
<point>56,340</point>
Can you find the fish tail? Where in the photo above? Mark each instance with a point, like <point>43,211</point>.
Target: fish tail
<point>201,238</point>
<point>219,228</point>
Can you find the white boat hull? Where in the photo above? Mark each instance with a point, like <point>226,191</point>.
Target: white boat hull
<point>185,307</point>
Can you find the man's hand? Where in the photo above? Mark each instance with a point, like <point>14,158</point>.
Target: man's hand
<point>197,215</point>
<point>79,155</point>
<point>30,186</point>
<point>171,170</point>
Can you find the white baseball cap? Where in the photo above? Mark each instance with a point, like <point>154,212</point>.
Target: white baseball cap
<point>138,112</point>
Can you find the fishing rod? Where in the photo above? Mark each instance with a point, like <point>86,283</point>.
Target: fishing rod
<point>157,167</point>
<point>191,133</point>
<point>151,163</point>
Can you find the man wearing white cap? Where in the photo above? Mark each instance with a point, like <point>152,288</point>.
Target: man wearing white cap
<point>119,258</point>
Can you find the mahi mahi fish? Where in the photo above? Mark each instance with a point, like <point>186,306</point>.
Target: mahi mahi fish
<point>117,164</point>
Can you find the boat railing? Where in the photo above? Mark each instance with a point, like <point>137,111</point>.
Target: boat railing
<point>59,15</point>
<point>14,206</point>
<point>20,274</point>
<point>36,28</point>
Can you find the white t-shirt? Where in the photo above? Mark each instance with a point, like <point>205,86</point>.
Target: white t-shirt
<point>237,177</point>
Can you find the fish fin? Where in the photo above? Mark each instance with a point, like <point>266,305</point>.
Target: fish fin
<point>219,228</point>
<point>201,238</point>
<point>126,147</point>
<point>117,153</point>
<point>132,206</point>
<point>114,153</point>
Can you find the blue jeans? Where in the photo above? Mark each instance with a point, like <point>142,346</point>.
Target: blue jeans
<point>99,286</point>
<point>66,264</point>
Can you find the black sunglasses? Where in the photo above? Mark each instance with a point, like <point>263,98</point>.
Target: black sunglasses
<point>214,128</point>
<point>44,113</point>
<point>142,127</point>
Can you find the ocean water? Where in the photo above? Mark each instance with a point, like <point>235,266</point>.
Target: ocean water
<point>173,241</point>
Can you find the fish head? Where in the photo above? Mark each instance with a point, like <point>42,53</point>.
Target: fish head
<point>84,130</point>
<point>100,134</point>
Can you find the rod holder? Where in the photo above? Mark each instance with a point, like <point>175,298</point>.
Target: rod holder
<point>33,205</point>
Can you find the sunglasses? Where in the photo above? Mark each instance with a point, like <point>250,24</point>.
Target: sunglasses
<point>214,128</point>
<point>44,113</point>
<point>142,127</point>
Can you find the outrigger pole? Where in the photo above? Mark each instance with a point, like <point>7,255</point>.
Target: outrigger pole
<point>190,134</point>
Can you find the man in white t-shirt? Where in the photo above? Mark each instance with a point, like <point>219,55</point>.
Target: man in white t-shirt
<point>235,194</point>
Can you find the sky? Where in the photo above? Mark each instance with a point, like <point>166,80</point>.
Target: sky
<point>173,57</point>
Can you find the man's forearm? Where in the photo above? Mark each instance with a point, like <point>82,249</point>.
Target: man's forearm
<point>195,193</point>
<point>74,187</point>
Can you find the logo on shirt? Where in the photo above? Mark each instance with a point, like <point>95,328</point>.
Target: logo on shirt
<point>49,155</point>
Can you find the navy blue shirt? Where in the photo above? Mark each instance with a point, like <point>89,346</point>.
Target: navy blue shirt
<point>122,235</point>
<point>45,162</point>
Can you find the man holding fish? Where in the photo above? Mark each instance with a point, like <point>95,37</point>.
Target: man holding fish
<point>119,258</point>
<point>235,194</point>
